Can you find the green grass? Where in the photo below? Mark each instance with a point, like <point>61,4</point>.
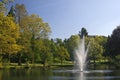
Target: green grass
<point>24,65</point>
<point>16,66</point>
<point>55,64</point>
<point>65,64</point>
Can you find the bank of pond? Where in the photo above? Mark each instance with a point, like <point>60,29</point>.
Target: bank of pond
<point>55,65</point>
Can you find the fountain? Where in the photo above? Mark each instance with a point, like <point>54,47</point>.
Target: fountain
<point>81,55</point>
<point>79,72</point>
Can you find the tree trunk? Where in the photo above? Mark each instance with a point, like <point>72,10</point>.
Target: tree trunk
<point>61,61</point>
<point>9,59</point>
<point>94,60</point>
<point>19,61</point>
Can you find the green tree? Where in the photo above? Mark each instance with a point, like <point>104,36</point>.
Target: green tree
<point>71,44</point>
<point>37,28</point>
<point>113,44</point>
<point>59,42</point>
<point>83,32</point>
<point>32,27</point>
<point>54,50</point>
<point>20,14</point>
<point>62,54</point>
<point>61,51</point>
<point>43,51</point>
<point>97,48</point>
<point>12,12</point>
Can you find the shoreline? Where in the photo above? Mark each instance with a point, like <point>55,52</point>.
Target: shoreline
<point>36,65</point>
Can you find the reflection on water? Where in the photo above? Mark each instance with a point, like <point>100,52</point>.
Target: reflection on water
<point>98,75</point>
<point>80,76</point>
<point>91,74</point>
<point>25,74</point>
<point>66,73</point>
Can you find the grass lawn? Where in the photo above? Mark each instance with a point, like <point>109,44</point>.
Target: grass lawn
<point>24,65</point>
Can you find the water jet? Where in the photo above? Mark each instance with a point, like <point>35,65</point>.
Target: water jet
<point>80,55</point>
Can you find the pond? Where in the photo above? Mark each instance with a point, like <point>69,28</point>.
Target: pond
<point>61,73</point>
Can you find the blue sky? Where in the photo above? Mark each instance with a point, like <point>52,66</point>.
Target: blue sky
<point>67,17</point>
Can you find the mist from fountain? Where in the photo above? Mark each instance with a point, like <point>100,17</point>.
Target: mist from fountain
<point>80,55</point>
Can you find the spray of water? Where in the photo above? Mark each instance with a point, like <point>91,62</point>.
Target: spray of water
<point>80,55</point>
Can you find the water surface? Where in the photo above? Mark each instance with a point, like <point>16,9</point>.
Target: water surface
<point>61,73</point>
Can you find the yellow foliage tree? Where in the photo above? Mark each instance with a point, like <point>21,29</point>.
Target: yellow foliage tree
<point>4,4</point>
<point>9,33</point>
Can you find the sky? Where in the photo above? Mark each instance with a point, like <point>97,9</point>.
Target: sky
<point>67,17</point>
